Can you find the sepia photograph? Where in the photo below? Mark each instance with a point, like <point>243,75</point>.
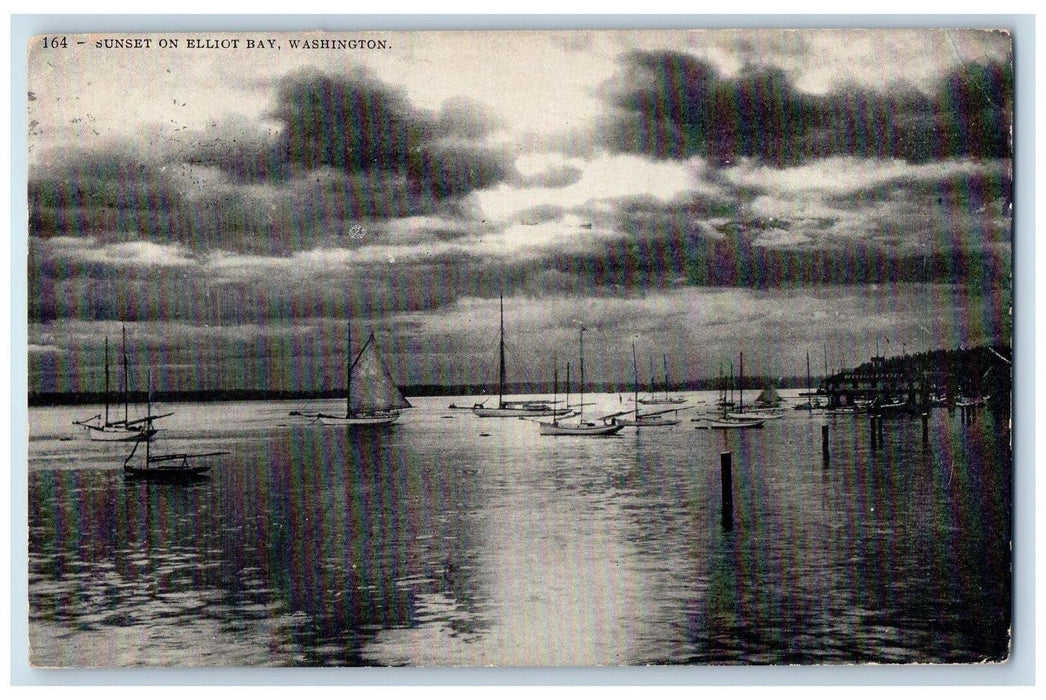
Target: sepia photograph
<point>502,348</point>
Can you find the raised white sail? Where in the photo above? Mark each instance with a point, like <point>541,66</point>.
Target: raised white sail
<point>373,397</point>
<point>371,387</point>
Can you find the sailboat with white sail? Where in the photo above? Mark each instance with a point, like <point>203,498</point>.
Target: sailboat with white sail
<point>608,425</point>
<point>517,408</point>
<point>178,466</point>
<point>372,397</point>
<point>101,428</point>
<point>660,400</point>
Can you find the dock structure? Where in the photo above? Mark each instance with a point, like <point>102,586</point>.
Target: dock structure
<point>915,383</point>
<point>882,384</point>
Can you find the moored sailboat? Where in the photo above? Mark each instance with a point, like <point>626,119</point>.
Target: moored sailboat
<point>607,425</point>
<point>739,419</point>
<point>659,400</point>
<point>650,419</point>
<point>100,428</point>
<point>730,423</point>
<point>179,466</point>
<point>530,408</point>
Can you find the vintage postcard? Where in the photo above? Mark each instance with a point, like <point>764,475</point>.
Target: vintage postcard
<point>520,348</point>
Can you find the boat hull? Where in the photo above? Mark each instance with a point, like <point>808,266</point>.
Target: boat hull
<point>652,423</point>
<point>732,424</point>
<point>754,415</point>
<point>358,421</point>
<point>582,429</point>
<point>116,434</point>
<point>516,412</point>
<point>661,402</point>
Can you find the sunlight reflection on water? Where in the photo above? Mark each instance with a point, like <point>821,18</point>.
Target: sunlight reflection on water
<point>430,544</point>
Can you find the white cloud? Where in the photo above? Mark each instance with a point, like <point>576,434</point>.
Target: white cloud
<point>847,175</point>
<point>605,177</point>
<point>125,254</point>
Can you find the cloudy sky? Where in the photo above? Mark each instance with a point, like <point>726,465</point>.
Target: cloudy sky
<point>702,193</point>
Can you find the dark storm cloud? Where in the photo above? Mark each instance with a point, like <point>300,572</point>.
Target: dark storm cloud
<point>112,190</point>
<point>672,105</point>
<point>117,194</point>
<point>346,150</point>
<point>964,187</point>
<point>357,124</point>
<point>703,242</point>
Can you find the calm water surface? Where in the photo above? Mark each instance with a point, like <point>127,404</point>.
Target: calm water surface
<point>454,540</point>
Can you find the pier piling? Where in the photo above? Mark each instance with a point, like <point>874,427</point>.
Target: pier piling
<point>872,430</point>
<point>725,467</point>
<point>926,428</point>
<point>824,443</point>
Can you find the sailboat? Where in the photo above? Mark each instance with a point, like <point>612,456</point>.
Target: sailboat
<point>514,409</point>
<point>658,400</point>
<point>372,397</point>
<point>768,398</point>
<point>649,419</point>
<point>179,466</point>
<point>582,427</point>
<point>738,420</point>
<point>809,393</point>
<point>100,428</point>
<point>763,409</point>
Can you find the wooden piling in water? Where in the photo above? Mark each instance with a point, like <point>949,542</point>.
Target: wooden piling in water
<point>926,428</point>
<point>726,478</point>
<point>824,443</point>
<point>872,430</point>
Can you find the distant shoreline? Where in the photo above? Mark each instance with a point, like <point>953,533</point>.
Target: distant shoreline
<point>416,390</point>
<point>964,366</point>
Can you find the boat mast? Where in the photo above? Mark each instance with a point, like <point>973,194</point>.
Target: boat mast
<point>809,398</point>
<point>635,373</point>
<point>501,355</point>
<point>665,357</point>
<point>126,378</point>
<point>555,386</point>
<point>731,384</point>
<point>581,352</point>
<point>218,339</point>
<point>148,416</point>
<point>106,380</point>
<point>348,369</point>
<point>741,382</point>
<point>653,386</point>
<point>568,389</point>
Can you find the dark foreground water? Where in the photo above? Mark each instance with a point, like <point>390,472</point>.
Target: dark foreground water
<point>454,540</point>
